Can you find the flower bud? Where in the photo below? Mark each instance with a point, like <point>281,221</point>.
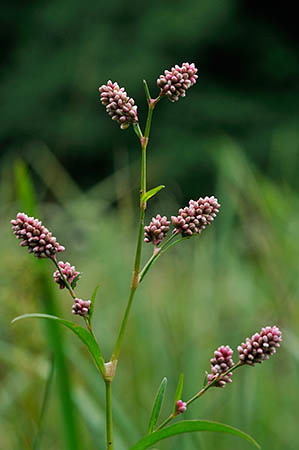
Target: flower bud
<point>261,346</point>
<point>69,272</point>
<point>196,217</point>
<point>175,82</point>
<point>220,364</point>
<point>181,407</point>
<point>156,231</point>
<point>81,307</point>
<point>35,236</point>
<point>118,105</point>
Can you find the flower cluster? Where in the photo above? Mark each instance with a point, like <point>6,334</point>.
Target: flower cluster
<point>69,272</point>
<point>261,346</point>
<point>156,230</point>
<point>35,236</point>
<point>175,82</point>
<point>196,217</point>
<point>81,307</point>
<point>181,407</point>
<point>220,364</point>
<point>118,105</point>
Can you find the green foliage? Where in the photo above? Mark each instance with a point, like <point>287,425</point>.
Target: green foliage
<point>93,300</point>
<point>179,391</point>
<point>157,406</point>
<point>81,332</point>
<point>189,426</point>
<point>149,194</point>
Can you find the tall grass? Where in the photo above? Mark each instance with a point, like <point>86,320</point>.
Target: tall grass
<point>239,275</point>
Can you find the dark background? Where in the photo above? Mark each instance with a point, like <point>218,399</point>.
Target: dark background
<point>55,55</point>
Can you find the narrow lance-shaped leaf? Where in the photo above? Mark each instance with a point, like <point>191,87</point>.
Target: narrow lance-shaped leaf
<point>75,281</point>
<point>157,406</point>
<point>205,380</point>
<point>189,426</point>
<point>93,299</point>
<point>147,195</point>
<point>179,391</point>
<point>81,332</point>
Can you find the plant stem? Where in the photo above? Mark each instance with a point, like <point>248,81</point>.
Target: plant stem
<point>109,430</point>
<point>135,277</point>
<point>197,395</point>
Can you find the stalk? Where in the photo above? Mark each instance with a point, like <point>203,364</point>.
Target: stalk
<point>197,395</point>
<point>109,430</point>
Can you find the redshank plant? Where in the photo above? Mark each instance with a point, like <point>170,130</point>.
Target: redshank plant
<point>190,222</point>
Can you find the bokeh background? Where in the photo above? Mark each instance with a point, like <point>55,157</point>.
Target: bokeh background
<point>235,135</point>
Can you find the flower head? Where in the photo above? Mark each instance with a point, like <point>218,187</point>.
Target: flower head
<point>81,307</point>
<point>118,105</point>
<point>35,236</point>
<point>181,407</point>
<point>156,231</point>
<point>196,217</point>
<point>220,364</point>
<point>175,82</point>
<point>260,346</point>
<point>69,272</point>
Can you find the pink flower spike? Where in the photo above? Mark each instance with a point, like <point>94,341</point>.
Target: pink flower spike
<point>181,407</point>
<point>175,82</point>
<point>260,346</point>
<point>81,307</point>
<point>69,272</point>
<point>220,364</point>
<point>35,236</point>
<point>119,106</point>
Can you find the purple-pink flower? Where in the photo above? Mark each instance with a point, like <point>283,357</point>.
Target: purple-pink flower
<point>118,105</point>
<point>220,364</point>
<point>260,346</point>
<point>81,307</point>
<point>35,236</point>
<point>196,217</point>
<point>181,407</point>
<point>69,272</point>
<point>175,82</point>
<point>156,231</point>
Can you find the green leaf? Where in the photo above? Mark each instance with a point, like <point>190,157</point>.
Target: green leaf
<point>157,406</point>
<point>189,426</point>
<point>147,195</point>
<point>81,332</point>
<point>75,281</point>
<point>93,299</point>
<point>205,380</point>
<point>179,391</point>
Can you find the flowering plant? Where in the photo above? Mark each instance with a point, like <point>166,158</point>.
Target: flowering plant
<point>188,223</point>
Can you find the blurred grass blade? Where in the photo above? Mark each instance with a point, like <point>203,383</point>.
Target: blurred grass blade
<point>189,426</point>
<point>149,194</point>
<point>157,406</point>
<point>81,332</point>
<point>37,441</point>
<point>27,201</point>
<point>179,391</point>
<point>93,299</point>
<point>25,189</point>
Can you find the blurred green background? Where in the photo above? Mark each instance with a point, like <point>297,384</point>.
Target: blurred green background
<point>235,135</point>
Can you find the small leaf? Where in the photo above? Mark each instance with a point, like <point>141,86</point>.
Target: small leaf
<point>157,406</point>
<point>147,195</point>
<point>75,281</point>
<point>81,332</point>
<point>189,426</point>
<point>179,391</point>
<point>205,380</point>
<point>93,299</point>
